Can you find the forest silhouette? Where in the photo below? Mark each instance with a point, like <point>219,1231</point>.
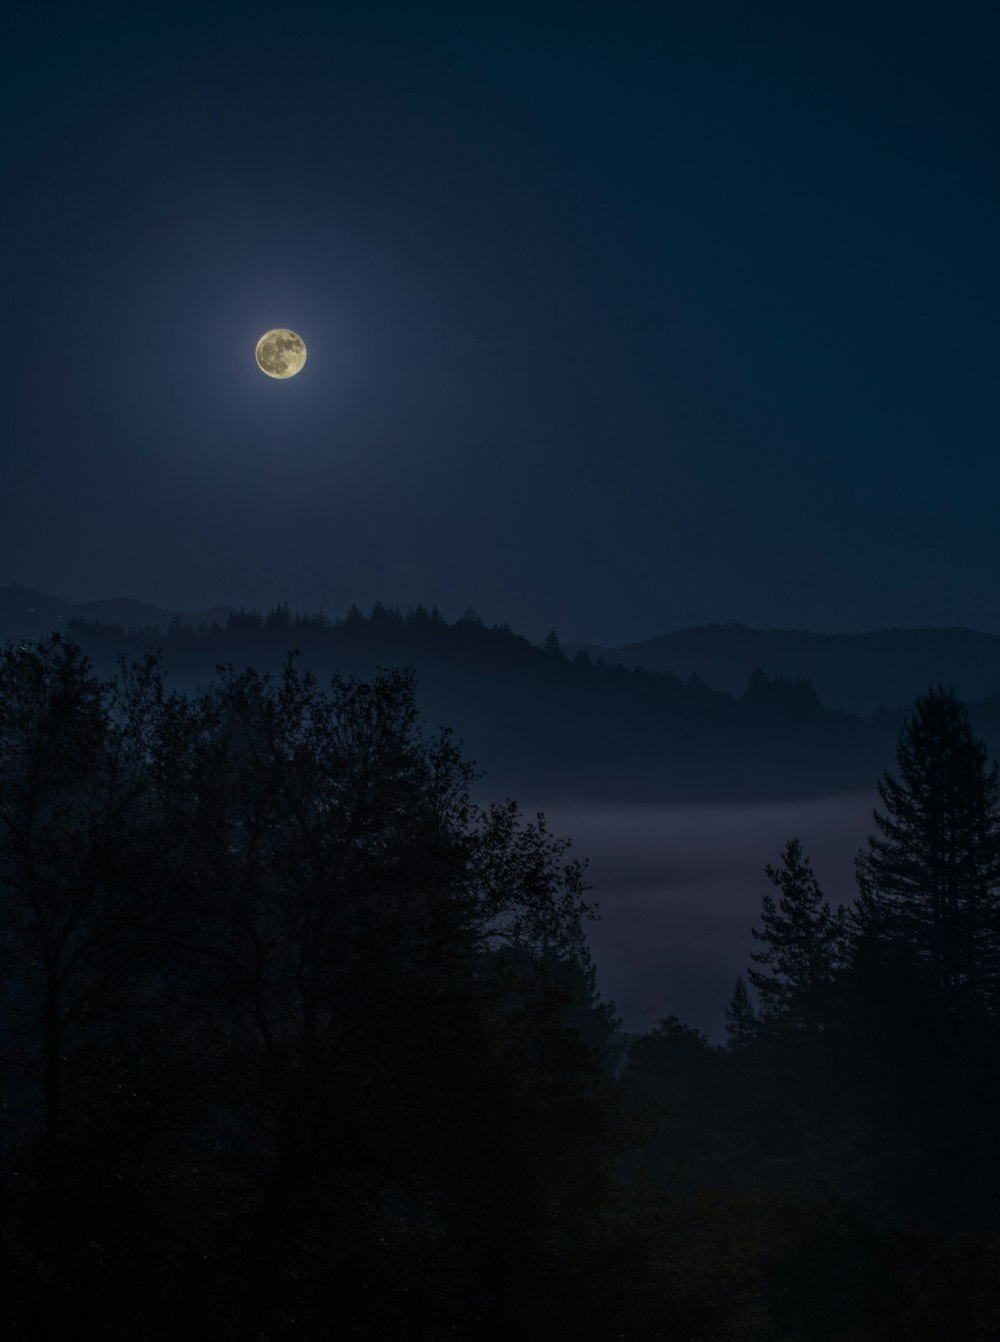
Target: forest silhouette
<point>535,717</point>
<point>299,1041</point>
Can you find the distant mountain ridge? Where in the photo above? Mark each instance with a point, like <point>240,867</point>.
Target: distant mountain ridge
<point>728,713</point>
<point>26,613</point>
<point>541,724</point>
<point>856,673</point>
<point>853,672</point>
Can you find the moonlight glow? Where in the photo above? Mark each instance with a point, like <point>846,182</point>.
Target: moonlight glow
<point>281,353</point>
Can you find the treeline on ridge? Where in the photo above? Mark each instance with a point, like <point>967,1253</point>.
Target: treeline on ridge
<point>542,722</point>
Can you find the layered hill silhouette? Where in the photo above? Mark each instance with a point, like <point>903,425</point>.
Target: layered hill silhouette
<point>854,672</point>
<point>545,723</point>
<point>25,613</point>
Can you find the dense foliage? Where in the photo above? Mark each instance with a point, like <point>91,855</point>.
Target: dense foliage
<point>299,1042</point>
<point>864,1090</point>
<point>296,1039</point>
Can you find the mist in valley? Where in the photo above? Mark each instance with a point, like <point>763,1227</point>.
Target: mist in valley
<point>679,888</point>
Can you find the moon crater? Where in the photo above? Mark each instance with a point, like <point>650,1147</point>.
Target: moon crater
<point>281,353</point>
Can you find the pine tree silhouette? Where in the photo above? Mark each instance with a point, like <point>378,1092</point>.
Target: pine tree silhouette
<point>741,1016</point>
<point>803,945</point>
<point>930,878</point>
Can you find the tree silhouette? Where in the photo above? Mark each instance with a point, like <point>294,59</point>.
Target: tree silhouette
<point>741,1016</point>
<point>929,879</point>
<point>296,1035</point>
<point>803,945</point>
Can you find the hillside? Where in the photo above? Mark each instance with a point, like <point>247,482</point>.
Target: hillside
<point>544,722</point>
<point>853,672</point>
<point>25,613</point>
<point>543,725</point>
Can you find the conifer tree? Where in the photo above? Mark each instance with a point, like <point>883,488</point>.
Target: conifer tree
<point>741,1017</point>
<point>803,945</point>
<point>929,882</point>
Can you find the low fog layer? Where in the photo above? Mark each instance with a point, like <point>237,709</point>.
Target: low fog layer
<point>679,888</point>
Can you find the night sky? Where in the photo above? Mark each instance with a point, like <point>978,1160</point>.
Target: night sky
<point>620,318</point>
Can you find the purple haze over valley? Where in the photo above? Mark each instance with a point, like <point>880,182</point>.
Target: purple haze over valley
<point>679,888</point>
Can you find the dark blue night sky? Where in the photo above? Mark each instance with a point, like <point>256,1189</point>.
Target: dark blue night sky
<point>620,318</point>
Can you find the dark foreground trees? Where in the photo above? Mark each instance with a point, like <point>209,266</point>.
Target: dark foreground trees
<point>297,1042</point>
<point>866,1099</point>
<point>929,880</point>
<point>803,946</point>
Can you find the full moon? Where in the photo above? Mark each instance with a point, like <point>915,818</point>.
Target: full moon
<point>281,353</point>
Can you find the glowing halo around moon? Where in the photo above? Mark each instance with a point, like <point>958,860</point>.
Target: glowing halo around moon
<point>281,353</point>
